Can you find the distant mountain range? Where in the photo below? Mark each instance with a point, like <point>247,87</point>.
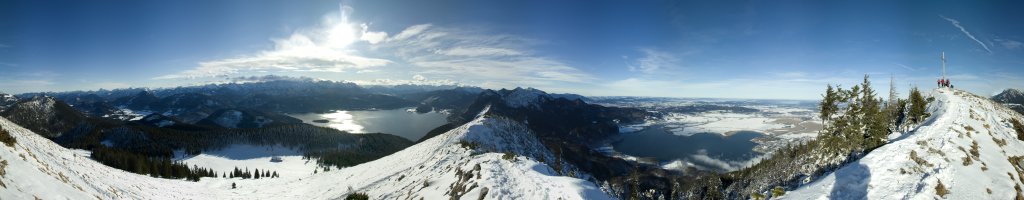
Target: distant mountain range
<point>1011,98</point>
<point>196,103</point>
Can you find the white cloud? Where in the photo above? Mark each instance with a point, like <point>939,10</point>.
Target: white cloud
<point>106,85</point>
<point>372,37</point>
<point>28,81</point>
<point>776,86</point>
<point>325,48</point>
<point>964,30</point>
<point>407,82</point>
<point>475,56</point>
<point>411,31</point>
<point>653,60</point>
<point>1010,44</point>
<point>479,51</point>
<point>905,66</point>
<point>468,55</point>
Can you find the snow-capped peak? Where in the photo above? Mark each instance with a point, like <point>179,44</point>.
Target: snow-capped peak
<point>1009,96</point>
<point>528,97</point>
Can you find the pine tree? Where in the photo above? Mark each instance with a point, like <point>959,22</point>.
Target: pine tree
<point>257,176</point>
<point>917,106</point>
<point>876,123</point>
<point>828,104</point>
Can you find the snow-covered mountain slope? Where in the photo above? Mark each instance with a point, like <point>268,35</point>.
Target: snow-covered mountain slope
<point>467,162</point>
<point>519,97</point>
<point>967,149</point>
<point>7,100</point>
<point>1009,96</point>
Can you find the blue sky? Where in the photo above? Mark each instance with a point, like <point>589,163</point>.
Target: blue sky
<point>727,49</point>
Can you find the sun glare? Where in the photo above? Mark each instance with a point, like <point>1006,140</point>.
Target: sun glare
<point>341,35</point>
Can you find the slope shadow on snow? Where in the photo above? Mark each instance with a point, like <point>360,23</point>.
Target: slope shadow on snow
<point>851,182</point>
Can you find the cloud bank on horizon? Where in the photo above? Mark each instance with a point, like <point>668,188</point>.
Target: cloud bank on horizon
<point>651,48</point>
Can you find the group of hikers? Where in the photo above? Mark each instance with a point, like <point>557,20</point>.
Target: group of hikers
<point>943,82</point>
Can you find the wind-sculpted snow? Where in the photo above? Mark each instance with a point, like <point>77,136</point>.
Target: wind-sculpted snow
<point>505,162</point>
<point>965,150</point>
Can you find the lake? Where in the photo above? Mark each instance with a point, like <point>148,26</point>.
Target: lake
<point>708,150</point>
<point>400,122</point>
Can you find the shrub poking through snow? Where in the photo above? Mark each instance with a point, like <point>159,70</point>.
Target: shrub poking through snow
<point>1017,126</point>
<point>941,190</point>
<point>778,192</point>
<point>468,144</point>
<point>920,161</point>
<point>357,196</point>
<point>6,138</point>
<point>757,196</point>
<point>974,150</point>
<point>509,156</point>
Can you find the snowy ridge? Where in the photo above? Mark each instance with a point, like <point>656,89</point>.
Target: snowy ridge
<point>38,168</point>
<point>968,144</point>
<point>438,168</point>
<point>529,97</point>
<point>1009,96</point>
<point>42,105</point>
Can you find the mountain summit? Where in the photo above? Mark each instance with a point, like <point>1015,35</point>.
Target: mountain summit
<point>970,147</point>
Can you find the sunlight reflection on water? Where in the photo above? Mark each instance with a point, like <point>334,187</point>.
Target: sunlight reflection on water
<point>342,120</point>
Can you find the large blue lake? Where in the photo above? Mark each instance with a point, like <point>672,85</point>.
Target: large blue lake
<point>658,143</point>
<point>400,122</point>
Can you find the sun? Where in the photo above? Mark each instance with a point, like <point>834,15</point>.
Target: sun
<point>341,34</point>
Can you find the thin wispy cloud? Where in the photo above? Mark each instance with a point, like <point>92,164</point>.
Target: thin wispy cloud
<point>905,66</point>
<point>478,57</point>
<point>1010,44</point>
<point>964,30</point>
<point>653,61</point>
<point>18,82</point>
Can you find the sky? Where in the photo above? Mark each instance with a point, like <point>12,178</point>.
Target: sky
<point>716,49</point>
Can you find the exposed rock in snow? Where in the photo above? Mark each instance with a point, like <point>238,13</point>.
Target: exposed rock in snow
<point>966,148</point>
